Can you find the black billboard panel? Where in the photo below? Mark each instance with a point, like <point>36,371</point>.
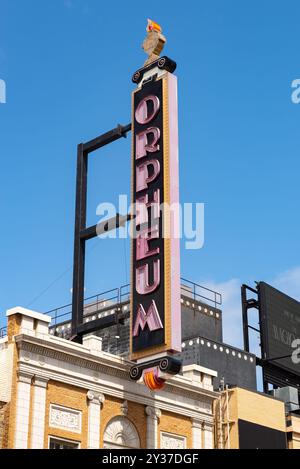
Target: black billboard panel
<point>280,326</point>
<point>254,436</point>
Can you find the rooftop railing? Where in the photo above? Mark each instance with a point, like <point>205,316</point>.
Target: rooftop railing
<point>110,299</point>
<point>200,293</point>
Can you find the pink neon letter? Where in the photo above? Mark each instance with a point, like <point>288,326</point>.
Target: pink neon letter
<point>142,246</point>
<point>142,203</point>
<point>152,318</point>
<point>142,278</point>
<point>142,114</point>
<point>142,177</point>
<point>142,143</point>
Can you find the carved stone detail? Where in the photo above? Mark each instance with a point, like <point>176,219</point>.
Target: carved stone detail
<point>124,408</point>
<point>122,433</point>
<point>169,441</point>
<point>208,426</point>
<point>197,423</point>
<point>24,377</point>
<point>90,395</point>
<point>41,382</point>
<point>153,412</point>
<point>64,418</point>
<point>95,397</point>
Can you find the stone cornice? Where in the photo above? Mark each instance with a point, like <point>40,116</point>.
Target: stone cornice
<point>65,353</point>
<point>182,407</point>
<point>33,361</point>
<point>106,363</point>
<point>97,364</point>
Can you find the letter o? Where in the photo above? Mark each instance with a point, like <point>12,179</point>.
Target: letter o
<point>141,112</point>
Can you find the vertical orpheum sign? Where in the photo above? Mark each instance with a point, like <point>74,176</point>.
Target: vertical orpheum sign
<point>155,262</point>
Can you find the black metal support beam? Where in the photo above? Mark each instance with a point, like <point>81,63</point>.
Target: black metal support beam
<point>97,324</point>
<point>245,317</point>
<point>247,304</point>
<point>254,329</point>
<point>102,323</point>
<point>269,360</point>
<point>79,244</point>
<point>82,233</point>
<point>105,227</point>
<point>109,137</point>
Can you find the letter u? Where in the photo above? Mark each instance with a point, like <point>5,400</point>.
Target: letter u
<point>142,278</point>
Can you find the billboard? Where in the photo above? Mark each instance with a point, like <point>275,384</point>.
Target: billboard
<point>254,436</point>
<point>155,262</point>
<point>280,326</point>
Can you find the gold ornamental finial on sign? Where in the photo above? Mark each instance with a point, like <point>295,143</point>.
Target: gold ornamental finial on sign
<point>154,42</point>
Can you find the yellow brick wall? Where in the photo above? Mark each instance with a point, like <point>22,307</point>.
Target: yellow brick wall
<point>251,407</point>
<point>13,328</point>
<point>260,409</point>
<point>4,414</point>
<point>73,398</point>
<point>6,420</point>
<point>136,414</point>
<point>176,424</point>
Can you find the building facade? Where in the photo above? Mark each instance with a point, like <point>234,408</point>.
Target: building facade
<point>58,394</point>
<point>55,393</point>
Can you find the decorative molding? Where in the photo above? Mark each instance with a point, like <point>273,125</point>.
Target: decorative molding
<point>41,381</point>
<point>42,360</point>
<point>181,408</point>
<point>87,382</point>
<point>197,423</point>
<point>65,418</point>
<point>207,398</point>
<point>24,377</point>
<point>208,426</point>
<point>110,365</point>
<point>120,432</point>
<point>171,441</point>
<point>153,412</point>
<point>179,396</point>
<point>90,395</point>
<point>124,408</point>
<point>95,397</point>
<point>65,356</point>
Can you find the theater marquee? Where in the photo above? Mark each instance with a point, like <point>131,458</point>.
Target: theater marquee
<point>155,297</point>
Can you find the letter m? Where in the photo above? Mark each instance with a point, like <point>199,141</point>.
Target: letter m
<point>151,318</point>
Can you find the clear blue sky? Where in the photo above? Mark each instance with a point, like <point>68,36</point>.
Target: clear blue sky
<point>68,65</point>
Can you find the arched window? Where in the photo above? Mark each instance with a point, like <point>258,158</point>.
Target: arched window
<point>120,433</point>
